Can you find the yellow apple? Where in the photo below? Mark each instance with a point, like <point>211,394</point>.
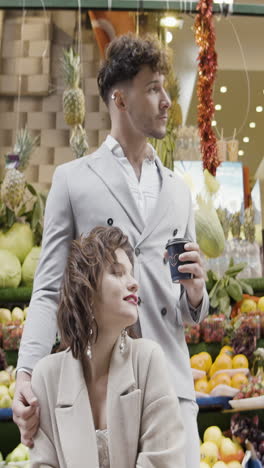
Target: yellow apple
<point>220,464</point>
<point>227,449</point>
<point>209,452</point>
<point>213,434</point>
<point>234,464</point>
<point>5,315</point>
<point>4,378</point>
<point>17,314</point>
<point>6,401</point>
<point>3,390</point>
<point>204,465</point>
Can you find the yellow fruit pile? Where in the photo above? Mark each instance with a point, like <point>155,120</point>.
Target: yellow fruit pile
<point>218,451</point>
<point>7,387</point>
<point>224,361</point>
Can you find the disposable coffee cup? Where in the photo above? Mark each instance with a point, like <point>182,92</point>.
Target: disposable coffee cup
<point>175,248</point>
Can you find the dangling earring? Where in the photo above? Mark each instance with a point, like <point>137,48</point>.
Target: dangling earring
<point>123,342</point>
<point>89,347</point>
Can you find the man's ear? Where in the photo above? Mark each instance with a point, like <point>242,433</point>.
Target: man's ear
<point>119,99</point>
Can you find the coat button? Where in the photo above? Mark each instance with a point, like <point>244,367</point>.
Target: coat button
<point>139,300</point>
<point>110,221</point>
<point>175,232</point>
<point>137,251</point>
<point>163,311</point>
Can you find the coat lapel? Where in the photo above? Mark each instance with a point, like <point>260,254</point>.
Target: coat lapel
<point>123,409</point>
<point>106,167</point>
<point>74,417</point>
<point>162,205</point>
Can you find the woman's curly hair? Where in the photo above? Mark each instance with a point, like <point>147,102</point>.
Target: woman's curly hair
<point>87,260</point>
<point>125,56</point>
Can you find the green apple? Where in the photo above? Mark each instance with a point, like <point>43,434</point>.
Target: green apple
<point>11,389</point>
<point>213,434</point>
<point>6,401</point>
<point>3,390</point>
<point>17,314</point>
<point>5,315</point>
<point>4,378</point>
<point>1,457</point>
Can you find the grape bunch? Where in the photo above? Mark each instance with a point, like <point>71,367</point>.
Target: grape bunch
<point>244,428</point>
<point>244,341</point>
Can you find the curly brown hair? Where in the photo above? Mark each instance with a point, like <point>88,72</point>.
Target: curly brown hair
<point>88,258</point>
<point>125,56</point>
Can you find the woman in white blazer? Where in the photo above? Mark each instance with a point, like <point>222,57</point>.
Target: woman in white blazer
<point>105,400</point>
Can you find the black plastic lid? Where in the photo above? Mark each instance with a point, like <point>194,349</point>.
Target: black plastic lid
<point>176,240</point>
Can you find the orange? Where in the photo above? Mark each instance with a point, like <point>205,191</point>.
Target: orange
<point>240,361</point>
<point>228,350</point>
<point>207,359</point>
<point>222,379</point>
<point>238,380</point>
<point>201,385</point>
<point>197,362</point>
<point>223,361</point>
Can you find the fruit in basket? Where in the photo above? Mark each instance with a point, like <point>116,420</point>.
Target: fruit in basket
<point>234,464</point>
<point>209,452</point>
<point>3,390</point>
<point>254,388</point>
<point>238,380</point>
<point>202,385</point>
<point>19,454</point>
<point>240,361</point>
<point>197,362</point>
<point>223,361</point>
<point>6,401</point>
<point>227,350</point>
<point>207,360</point>
<point>248,305</point>
<point>213,434</point>
<point>260,305</point>
<point>5,315</point>
<point>4,378</point>
<point>222,379</point>
<point>11,389</point>
<point>10,270</point>
<point>17,314</point>
<point>227,449</point>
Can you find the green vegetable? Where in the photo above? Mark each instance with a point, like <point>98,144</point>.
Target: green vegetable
<point>29,266</point>
<point>10,270</point>
<point>17,240</point>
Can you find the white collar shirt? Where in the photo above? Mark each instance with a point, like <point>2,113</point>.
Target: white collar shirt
<point>146,190</point>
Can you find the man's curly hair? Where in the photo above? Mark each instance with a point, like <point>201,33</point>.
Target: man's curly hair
<point>125,56</point>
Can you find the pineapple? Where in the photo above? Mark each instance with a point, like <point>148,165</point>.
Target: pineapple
<point>13,186</point>
<point>79,142</point>
<point>73,97</point>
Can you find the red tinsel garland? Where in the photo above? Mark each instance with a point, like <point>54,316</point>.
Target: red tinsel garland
<point>205,39</point>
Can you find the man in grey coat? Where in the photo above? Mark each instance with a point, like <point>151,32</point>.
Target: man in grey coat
<point>124,184</point>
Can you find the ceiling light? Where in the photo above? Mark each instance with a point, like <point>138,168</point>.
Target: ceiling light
<point>168,37</point>
<point>259,109</point>
<point>171,22</point>
<point>245,139</point>
<point>214,123</point>
<point>223,89</point>
<point>240,153</point>
<point>252,125</point>
<point>218,107</point>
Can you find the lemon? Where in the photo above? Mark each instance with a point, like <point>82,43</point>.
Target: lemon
<point>248,305</point>
<point>240,361</point>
